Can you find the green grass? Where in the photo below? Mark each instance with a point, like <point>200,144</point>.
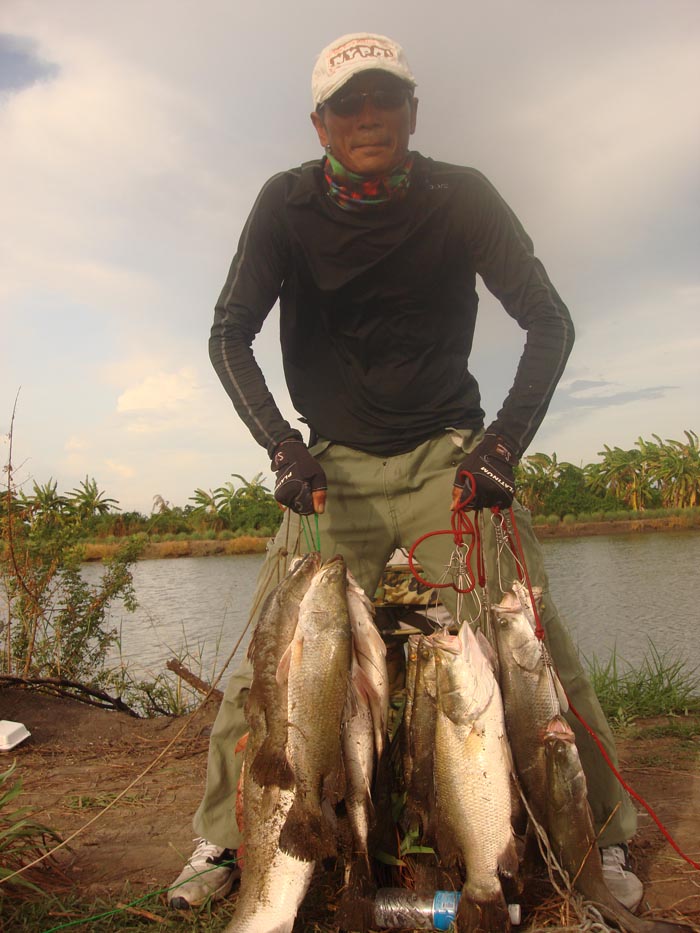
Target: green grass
<point>661,685</point>
<point>130,914</point>
<point>22,839</point>
<point>51,914</point>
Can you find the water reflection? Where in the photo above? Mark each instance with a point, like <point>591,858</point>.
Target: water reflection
<point>615,593</point>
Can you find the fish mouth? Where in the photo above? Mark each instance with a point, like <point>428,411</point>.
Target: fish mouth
<point>558,730</point>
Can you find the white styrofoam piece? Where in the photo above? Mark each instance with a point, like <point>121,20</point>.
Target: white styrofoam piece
<point>11,734</point>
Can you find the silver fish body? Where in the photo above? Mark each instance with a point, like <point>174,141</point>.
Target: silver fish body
<point>530,698</point>
<point>370,653</point>
<point>273,884</point>
<point>420,783</point>
<point>272,636</point>
<point>473,779</point>
<point>572,836</point>
<point>319,658</point>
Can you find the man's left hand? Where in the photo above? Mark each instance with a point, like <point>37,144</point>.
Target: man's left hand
<point>491,466</point>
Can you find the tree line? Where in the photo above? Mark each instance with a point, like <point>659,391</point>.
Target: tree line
<point>246,508</point>
<point>655,474</point>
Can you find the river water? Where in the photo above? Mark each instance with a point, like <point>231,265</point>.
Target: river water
<point>617,593</point>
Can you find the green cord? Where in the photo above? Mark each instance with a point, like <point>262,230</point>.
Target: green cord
<point>313,540</point>
<point>307,531</point>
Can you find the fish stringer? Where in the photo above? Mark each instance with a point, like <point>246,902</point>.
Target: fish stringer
<point>460,573</point>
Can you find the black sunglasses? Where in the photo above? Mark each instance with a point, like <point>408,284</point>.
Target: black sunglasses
<point>349,105</point>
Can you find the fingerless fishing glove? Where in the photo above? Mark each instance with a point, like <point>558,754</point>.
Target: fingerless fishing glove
<point>491,464</point>
<point>298,476</point>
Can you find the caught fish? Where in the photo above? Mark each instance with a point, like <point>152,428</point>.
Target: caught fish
<point>529,689</point>
<point>420,783</point>
<point>473,779</point>
<point>318,663</point>
<point>273,884</point>
<point>572,836</point>
<point>272,636</point>
<point>409,691</point>
<point>370,650</point>
<point>357,738</point>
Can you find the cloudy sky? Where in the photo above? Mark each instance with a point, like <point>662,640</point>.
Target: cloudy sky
<point>134,137</point>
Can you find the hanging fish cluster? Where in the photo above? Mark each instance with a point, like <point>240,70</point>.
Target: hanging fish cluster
<point>478,724</point>
<point>317,712</point>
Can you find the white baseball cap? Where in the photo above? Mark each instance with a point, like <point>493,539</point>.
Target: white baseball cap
<point>351,54</point>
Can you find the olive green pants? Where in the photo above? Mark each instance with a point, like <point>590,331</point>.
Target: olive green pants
<point>378,504</point>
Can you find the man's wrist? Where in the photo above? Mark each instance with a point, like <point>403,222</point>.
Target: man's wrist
<point>274,446</point>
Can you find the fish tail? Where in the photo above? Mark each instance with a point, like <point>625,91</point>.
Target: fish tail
<point>271,766</point>
<point>305,834</point>
<point>482,916</point>
<point>356,907</point>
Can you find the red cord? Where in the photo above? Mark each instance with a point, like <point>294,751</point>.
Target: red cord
<point>462,526</point>
<point>629,789</point>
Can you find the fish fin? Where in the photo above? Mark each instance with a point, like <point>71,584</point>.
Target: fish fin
<point>241,743</point>
<point>304,835</point>
<point>293,649</point>
<point>334,785</point>
<point>487,650</point>
<point>482,916</point>
<point>256,637</point>
<point>508,861</point>
<point>271,766</point>
<point>360,681</point>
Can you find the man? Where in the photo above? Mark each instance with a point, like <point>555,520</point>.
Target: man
<point>373,254</point>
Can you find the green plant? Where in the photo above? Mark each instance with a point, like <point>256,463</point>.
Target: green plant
<point>21,838</point>
<point>55,626</point>
<point>660,685</point>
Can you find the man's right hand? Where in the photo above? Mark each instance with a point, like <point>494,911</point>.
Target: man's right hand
<point>301,482</point>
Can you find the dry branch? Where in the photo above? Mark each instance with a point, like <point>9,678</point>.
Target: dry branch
<point>201,685</point>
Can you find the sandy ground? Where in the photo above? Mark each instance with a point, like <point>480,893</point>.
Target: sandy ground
<point>79,758</point>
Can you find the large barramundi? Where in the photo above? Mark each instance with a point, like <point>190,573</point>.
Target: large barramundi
<point>273,884</point>
<point>572,836</point>
<point>473,780</point>
<point>318,664</point>
<point>529,689</point>
<point>272,636</point>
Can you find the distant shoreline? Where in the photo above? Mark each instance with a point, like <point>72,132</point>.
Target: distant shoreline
<point>157,550</point>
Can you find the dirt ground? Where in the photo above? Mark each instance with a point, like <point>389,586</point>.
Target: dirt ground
<point>79,758</point>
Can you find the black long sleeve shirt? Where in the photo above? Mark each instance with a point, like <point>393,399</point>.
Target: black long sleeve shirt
<point>378,309</point>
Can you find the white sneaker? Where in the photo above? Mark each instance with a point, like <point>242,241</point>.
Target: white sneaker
<point>622,883</point>
<point>208,875</point>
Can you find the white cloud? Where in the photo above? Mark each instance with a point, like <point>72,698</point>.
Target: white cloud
<point>126,178</point>
<point>122,470</point>
<point>160,392</point>
<point>76,443</point>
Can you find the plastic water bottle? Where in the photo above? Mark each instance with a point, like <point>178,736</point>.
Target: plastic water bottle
<point>395,908</point>
<point>400,907</point>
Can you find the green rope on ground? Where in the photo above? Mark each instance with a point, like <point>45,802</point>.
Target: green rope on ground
<point>318,534</point>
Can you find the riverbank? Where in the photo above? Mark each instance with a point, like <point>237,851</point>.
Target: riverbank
<point>124,790</point>
<point>210,547</point>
